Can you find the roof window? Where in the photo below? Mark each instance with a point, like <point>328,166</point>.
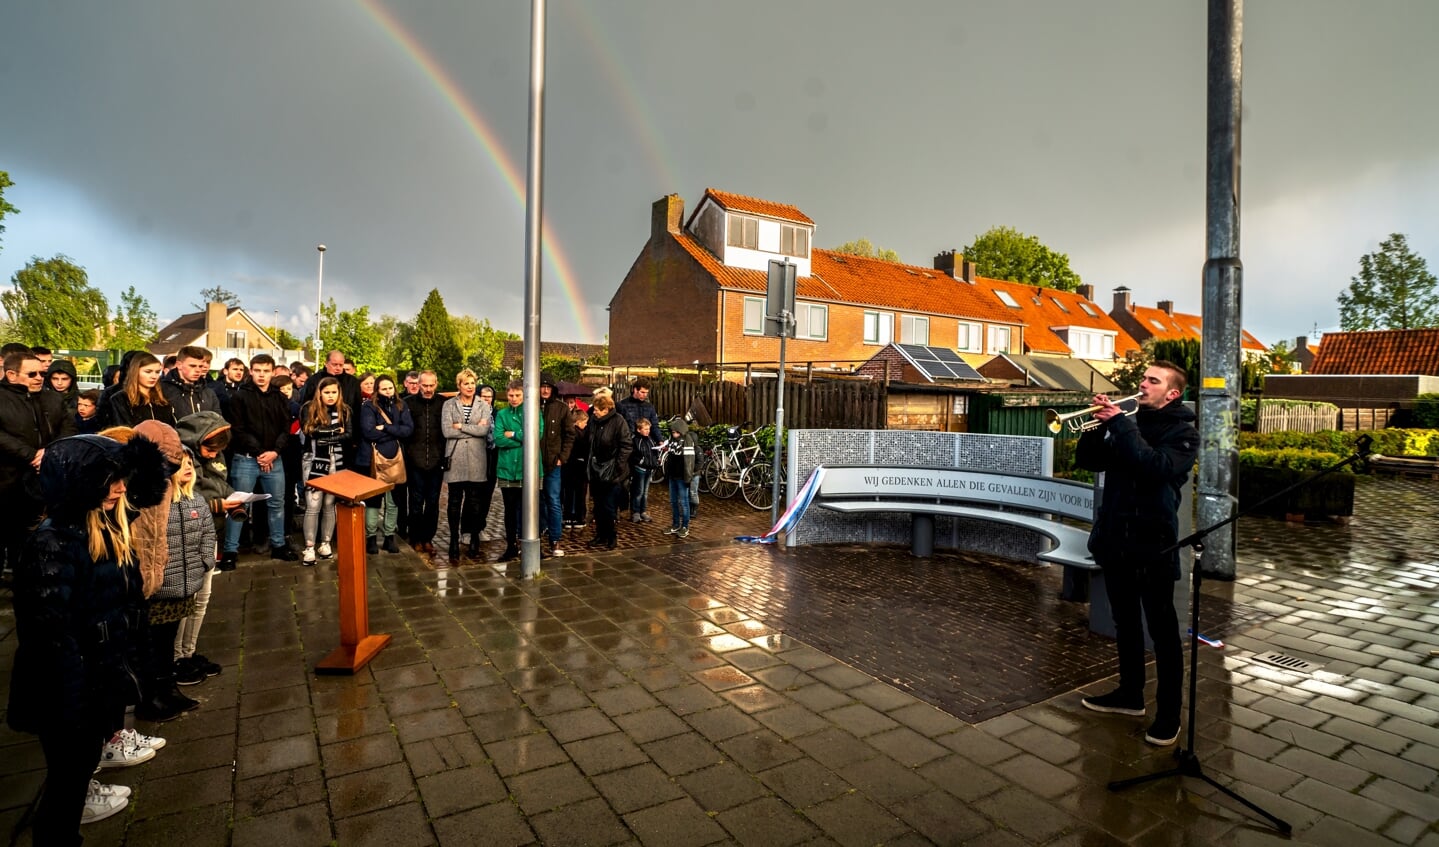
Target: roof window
<point>1005,298</point>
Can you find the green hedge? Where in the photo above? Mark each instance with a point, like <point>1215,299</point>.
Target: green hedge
<point>1426,411</point>
<point>1389,442</point>
<point>1290,459</point>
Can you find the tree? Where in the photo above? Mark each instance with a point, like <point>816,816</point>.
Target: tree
<point>287,340</point>
<point>483,347</point>
<point>863,247</point>
<point>1006,253</point>
<point>5,207</point>
<point>433,346</point>
<point>1394,290</point>
<point>217,294</point>
<point>1281,358</point>
<point>53,304</point>
<point>397,337</point>
<point>559,367</point>
<point>351,333</point>
<point>134,325</point>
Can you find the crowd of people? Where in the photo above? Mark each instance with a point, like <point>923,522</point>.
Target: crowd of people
<point>126,500</point>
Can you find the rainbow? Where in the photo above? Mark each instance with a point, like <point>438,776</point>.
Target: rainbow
<point>490,142</point>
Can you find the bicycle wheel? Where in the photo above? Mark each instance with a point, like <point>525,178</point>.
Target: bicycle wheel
<point>724,480</point>
<point>657,475</point>
<point>756,483</point>
<point>702,470</point>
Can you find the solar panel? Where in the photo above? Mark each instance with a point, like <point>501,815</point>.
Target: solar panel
<point>939,362</point>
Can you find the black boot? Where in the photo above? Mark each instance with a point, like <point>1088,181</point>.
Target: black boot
<point>474,545</point>
<point>390,545</point>
<point>454,548</point>
<point>372,545</point>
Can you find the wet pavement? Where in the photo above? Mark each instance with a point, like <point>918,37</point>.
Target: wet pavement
<point>709,692</point>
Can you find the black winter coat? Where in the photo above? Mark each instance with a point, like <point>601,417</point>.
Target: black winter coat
<point>610,441</point>
<point>187,398</point>
<point>559,434</point>
<point>1146,458</point>
<point>27,423</point>
<point>73,617</point>
<point>426,444</point>
<point>259,421</point>
<point>122,413</point>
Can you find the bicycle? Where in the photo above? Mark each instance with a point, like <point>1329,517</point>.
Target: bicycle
<point>728,462</point>
<point>756,483</point>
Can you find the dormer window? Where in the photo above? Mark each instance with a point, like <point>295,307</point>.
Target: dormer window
<point>744,232</point>
<point>794,241</point>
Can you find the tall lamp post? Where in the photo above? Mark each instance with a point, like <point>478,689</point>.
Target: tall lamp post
<point>319,300</point>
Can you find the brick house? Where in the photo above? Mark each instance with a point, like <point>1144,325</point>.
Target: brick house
<point>696,292</point>
<point>226,331</point>
<point>1162,322</point>
<point>1398,352</point>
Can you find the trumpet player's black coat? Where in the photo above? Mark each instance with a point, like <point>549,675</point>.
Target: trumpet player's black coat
<point>1146,457</point>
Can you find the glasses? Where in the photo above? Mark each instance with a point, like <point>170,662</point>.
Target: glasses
<point>28,374</point>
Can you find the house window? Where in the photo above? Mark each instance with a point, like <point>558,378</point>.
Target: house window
<point>811,321</point>
<point>743,232</point>
<point>999,339</point>
<point>878,327</point>
<point>914,330</point>
<point>754,316</point>
<point>1005,298</point>
<point>1158,324</point>
<point>970,337</point>
<point>794,241</point>
<point>1088,309</point>
<point>1106,347</point>
<point>235,339</point>
<point>1061,306</point>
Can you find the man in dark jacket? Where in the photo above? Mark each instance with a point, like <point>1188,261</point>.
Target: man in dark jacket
<point>424,451</point>
<point>186,386</point>
<point>349,383</point>
<point>30,419</point>
<point>259,417</point>
<point>555,446</point>
<point>638,405</point>
<point>1146,458</point>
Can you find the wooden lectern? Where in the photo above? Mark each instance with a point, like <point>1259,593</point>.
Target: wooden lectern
<point>357,645</point>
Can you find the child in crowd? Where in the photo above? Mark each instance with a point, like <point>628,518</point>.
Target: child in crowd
<point>329,430</point>
<point>87,412</point>
<point>574,482</point>
<point>206,434</point>
<point>510,441</point>
<point>643,462</point>
<point>680,453</point>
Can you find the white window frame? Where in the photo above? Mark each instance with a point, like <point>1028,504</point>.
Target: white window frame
<point>914,329</point>
<point>995,332</point>
<point>878,327</point>
<point>239,335</point>
<point>747,320</point>
<point>794,241</point>
<point>965,334</point>
<point>1006,298</point>
<point>747,226</point>
<point>806,315</point>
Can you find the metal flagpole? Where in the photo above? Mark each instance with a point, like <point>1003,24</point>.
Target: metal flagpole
<point>319,302</point>
<point>1223,280</point>
<point>534,236</point>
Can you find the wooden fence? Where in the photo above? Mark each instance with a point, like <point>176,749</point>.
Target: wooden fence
<point>821,404</point>
<point>1275,417</point>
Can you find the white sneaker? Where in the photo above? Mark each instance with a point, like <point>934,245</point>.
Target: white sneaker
<point>308,557</point>
<point>98,787</point>
<point>101,804</point>
<point>325,551</point>
<point>121,753</point>
<point>154,742</point>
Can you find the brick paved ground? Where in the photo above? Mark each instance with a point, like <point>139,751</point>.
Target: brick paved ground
<point>666,695</point>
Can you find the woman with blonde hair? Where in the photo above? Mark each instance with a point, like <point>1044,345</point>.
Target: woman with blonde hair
<point>329,432</point>
<point>140,399</point>
<point>77,590</point>
<point>465,422</point>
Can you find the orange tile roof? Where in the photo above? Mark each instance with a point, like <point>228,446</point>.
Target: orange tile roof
<point>1040,317</point>
<point>756,206</point>
<point>841,278</point>
<point>1390,351</point>
<point>1181,325</point>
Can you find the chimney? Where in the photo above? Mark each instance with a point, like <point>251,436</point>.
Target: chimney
<point>1086,291</point>
<point>1167,307</point>
<point>968,271</point>
<point>1121,300</point>
<point>945,261</point>
<point>666,215</point>
<point>215,317</point>
<point>1301,343</point>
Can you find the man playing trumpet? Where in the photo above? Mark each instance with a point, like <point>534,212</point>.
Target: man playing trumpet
<point>1147,458</point>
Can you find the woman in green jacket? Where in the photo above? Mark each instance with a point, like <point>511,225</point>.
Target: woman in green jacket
<point>510,469</point>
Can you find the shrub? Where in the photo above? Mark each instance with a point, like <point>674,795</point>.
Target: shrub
<point>1390,442</point>
<point>1291,459</point>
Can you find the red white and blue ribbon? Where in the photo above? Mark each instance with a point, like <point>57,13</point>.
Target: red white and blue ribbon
<point>791,516</point>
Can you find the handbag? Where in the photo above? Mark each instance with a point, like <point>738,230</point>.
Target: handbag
<point>448,459</point>
<point>387,470</point>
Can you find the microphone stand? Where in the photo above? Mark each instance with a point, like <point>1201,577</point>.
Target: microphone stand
<point>1188,763</point>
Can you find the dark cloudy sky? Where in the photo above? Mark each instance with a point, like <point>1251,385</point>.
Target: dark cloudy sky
<point>175,145</point>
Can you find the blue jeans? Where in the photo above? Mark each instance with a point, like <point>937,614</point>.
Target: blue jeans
<point>679,502</point>
<point>551,515</point>
<point>639,490</point>
<point>244,471</point>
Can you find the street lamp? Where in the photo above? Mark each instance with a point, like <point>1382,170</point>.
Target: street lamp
<point>319,301</point>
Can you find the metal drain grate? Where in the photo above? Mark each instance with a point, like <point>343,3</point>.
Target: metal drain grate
<point>1288,663</point>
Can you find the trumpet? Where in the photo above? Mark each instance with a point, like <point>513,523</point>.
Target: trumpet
<point>1080,421</point>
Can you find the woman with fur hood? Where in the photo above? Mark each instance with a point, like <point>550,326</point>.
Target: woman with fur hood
<point>77,592</point>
